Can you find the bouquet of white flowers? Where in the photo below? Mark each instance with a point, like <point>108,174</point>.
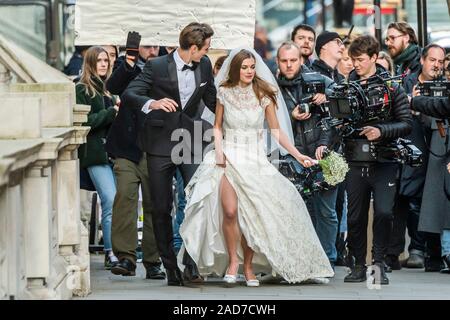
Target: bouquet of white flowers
<point>334,168</point>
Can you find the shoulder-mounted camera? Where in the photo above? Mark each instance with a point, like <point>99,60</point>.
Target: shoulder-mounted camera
<point>436,88</point>
<point>308,181</point>
<point>397,151</point>
<point>354,104</point>
<point>311,84</point>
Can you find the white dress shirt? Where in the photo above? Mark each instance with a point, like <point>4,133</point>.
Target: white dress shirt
<point>186,83</point>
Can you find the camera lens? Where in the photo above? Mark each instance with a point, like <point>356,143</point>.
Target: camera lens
<point>304,107</point>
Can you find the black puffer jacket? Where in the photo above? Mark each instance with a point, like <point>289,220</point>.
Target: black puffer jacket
<point>307,135</point>
<point>401,123</point>
<point>438,107</point>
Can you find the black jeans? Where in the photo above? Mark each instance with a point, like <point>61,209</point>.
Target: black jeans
<point>379,180</point>
<point>161,171</point>
<point>407,210</point>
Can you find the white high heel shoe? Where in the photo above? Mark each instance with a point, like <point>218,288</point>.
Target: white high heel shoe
<point>230,279</point>
<point>252,282</point>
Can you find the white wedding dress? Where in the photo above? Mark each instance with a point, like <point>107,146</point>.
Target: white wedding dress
<point>271,213</point>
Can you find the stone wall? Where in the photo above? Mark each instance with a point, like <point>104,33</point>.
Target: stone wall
<point>43,244</point>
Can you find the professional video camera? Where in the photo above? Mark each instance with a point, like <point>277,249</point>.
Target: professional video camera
<point>308,181</point>
<point>436,88</point>
<point>354,104</point>
<point>400,150</point>
<point>312,83</point>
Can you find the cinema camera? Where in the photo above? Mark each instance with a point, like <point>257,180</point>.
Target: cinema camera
<point>308,181</point>
<point>400,151</point>
<point>435,88</point>
<point>354,105</point>
<point>312,83</point>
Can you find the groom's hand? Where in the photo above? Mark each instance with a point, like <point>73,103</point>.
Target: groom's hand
<point>166,104</point>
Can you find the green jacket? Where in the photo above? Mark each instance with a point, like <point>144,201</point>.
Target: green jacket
<point>99,119</point>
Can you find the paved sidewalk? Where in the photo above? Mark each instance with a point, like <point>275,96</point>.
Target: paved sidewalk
<point>405,284</point>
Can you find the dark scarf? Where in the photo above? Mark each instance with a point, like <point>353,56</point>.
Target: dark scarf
<point>407,55</point>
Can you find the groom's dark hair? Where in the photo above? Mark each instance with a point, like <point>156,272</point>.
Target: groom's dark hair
<point>195,34</point>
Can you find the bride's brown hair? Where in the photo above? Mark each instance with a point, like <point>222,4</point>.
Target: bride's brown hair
<point>261,87</point>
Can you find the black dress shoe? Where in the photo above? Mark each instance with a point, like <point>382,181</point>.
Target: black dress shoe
<point>387,268</point>
<point>191,274</point>
<point>393,262</point>
<point>379,277</point>
<point>174,277</point>
<point>154,272</point>
<point>433,264</point>
<point>125,267</point>
<point>357,274</point>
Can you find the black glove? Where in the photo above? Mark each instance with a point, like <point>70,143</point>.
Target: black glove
<point>132,46</point>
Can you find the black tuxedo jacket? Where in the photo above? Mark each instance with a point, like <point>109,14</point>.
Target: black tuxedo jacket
<point>159,80</point>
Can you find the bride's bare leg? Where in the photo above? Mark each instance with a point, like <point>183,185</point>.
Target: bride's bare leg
<point>248,257</point>
<point>230,226</point>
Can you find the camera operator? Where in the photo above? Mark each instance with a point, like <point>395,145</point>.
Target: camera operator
<point>309,139</point>
<point>412,179</point>
<point>371,176</point>
<point>438,107</point>
<point>435,210</point>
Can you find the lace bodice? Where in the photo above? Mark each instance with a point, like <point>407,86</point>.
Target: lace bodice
<point>242,109</point>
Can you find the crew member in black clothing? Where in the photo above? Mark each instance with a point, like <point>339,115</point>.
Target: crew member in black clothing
<point>367,175</point>
<point>130,170</point>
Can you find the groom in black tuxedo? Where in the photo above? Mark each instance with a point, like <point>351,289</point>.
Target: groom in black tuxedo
<point>170,90</point>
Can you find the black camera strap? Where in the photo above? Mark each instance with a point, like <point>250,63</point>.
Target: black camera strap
<point>291,96</point>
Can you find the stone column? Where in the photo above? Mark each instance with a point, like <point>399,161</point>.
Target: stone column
<point>68,200</point>
<point>15,249</point>
<point>73,238</point>
<point>37,205</point>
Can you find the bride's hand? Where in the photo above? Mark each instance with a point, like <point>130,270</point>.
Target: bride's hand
<point>221,159</point>
<point>307,161</point>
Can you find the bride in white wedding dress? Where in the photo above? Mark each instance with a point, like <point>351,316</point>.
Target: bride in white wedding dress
<point>240,209</point>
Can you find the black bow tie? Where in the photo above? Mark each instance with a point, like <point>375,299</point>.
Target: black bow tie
<point>185,67</point>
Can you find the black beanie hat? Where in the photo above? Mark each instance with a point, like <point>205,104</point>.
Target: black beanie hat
<point>324,38</point>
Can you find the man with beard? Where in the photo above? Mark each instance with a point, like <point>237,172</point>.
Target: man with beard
<point>130,169</point>
<point>310,139</point>
<point>435,209</point>
<point>401,41</point>
<point>305,37</point>
<point>412,179</point>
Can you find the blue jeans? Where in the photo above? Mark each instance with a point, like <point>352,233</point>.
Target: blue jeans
<point>445,242</point>
<point>102,177</point>
<point>343,224</point>
<point>181,204</point>
<point>325,220</point>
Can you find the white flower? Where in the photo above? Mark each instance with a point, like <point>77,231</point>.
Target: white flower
<point>334,168</point>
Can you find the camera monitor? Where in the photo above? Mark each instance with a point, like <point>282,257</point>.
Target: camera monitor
<point>340,108</point>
